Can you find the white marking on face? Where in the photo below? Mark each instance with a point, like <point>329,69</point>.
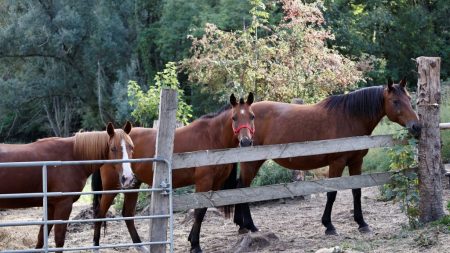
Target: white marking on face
<point>242,111</point>
<point>127,172</point>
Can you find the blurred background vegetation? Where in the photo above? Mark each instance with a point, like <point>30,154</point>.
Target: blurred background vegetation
<point>71,65</point>
<point>67,65</point>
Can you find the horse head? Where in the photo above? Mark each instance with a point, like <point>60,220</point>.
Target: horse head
<point>121,147</point>
<point>243,120</point>
<point>397,105</point>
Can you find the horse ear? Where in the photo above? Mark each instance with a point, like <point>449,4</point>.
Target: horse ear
<point>250,98</point>
<point>110,129</point>
<point>390,84</point>
<point>127,127</point>
<point>233,100</point>
<point>403,82</point>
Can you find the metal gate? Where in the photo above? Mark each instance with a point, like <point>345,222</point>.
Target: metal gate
<point>166,188</point>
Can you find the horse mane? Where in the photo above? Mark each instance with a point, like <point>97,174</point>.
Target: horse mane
<point>47,139</point>
<point>362,103</point>
<point>217,113</point>
<point>93,145</point>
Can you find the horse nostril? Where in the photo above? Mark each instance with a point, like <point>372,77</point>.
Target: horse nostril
<point>123,179</point>
<point>245,142</point>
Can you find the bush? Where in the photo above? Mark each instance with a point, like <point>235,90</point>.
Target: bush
<point>375,160</point>
<point>445,135</point>
<point>272,173</point>
<point>404,185</point>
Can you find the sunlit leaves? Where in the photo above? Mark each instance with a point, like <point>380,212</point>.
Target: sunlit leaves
<point>276,62</point>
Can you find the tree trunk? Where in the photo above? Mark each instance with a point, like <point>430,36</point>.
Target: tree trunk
<point>428,100</point>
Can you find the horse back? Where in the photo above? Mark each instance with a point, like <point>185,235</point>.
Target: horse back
<point>29,179</point>
<point>278,123</point>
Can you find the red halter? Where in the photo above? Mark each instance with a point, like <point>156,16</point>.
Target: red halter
<point>239,128</point>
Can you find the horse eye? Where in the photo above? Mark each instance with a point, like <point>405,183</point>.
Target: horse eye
<point>396,102</point>
<point>113,149</point>
<point>234,118</point>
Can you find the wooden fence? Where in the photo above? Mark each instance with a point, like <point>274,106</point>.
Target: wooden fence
<point>226,156</point>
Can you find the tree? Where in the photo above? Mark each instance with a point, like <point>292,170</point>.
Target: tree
<point>59,62</point>
<point>394,30</point>
<point>146,104</point>
<point>276,62</point>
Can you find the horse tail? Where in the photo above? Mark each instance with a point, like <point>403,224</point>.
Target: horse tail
<point>230,183</point>
<point>96,185</point>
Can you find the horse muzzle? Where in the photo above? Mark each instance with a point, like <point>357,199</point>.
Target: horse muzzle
<point>414,128</point>
<point>245,142</point>
<point>128,182</point>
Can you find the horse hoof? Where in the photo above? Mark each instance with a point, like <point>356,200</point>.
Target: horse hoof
<point>242,231</point>
<point>331,232</point>
<point>365,230</point>
<point>196,250</point>
<point>254,230</point>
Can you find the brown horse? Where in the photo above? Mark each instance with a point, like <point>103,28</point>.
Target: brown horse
<point>112,144</point>
<point>354,114</point>
<point>230,127</point>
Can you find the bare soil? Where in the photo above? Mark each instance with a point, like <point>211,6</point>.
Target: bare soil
<point>286,226</point>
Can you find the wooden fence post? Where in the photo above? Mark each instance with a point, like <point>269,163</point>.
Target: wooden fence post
<point>428,100</point>
<point>164,149</point>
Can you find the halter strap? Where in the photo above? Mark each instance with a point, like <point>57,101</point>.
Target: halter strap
<point>239,128</point>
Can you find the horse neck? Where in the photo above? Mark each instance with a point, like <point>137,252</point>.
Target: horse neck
<point>219,131</point>
<point>370,124</point>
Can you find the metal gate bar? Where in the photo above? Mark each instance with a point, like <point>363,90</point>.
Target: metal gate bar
<point>165,189</point>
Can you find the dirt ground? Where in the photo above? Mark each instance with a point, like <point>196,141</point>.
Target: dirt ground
<point>286,225</point>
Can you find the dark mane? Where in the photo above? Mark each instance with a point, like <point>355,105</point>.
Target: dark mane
<point>215,114</point>
<point>366,102</point>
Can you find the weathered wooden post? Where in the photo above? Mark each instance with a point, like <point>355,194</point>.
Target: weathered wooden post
<point>428,100</point>
<point>159,204</point>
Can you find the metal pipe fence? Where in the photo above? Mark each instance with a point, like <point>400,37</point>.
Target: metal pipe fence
<point>166,188</point>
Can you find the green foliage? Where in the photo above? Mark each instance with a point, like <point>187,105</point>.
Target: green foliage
<point>59,60</point>
<point>375,160</point>
<point>146,104</point>
<point>272,173</point>
<point>277,62</point>
<point>404,186</point>
<point>394,30</point>
<point>445,135</point>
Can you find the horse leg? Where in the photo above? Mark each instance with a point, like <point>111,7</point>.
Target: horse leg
<point>204,181</point>
<point>194,235</point>
<point>242,214</point>
<point>355,169</point>
<point>335,170</point>
<point>62,212</point>
<point>40,242</point>
<point>105,203</point>
<point>129,210</point>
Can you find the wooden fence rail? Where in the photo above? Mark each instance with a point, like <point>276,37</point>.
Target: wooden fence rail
<point>269,192</point>
<point>266,152</point>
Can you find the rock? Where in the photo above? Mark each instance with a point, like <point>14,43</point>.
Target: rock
<point>335,249</point>
<point>254,242</point>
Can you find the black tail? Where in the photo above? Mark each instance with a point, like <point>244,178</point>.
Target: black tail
<point>96,185</point>
<point>230,183</point>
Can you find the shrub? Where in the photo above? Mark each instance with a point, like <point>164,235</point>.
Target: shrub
<point>272,173</point>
